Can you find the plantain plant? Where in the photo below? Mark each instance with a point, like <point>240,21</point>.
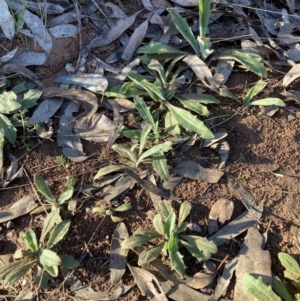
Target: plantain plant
<point>39,256</point>
<point>262,292</point>
<point>169,238</point>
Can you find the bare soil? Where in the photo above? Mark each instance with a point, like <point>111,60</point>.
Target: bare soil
<point>261,149</point>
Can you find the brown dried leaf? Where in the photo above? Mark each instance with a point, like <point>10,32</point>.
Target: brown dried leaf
<point>200,280</point>
<point>291,75</point>
<point>221,210</point>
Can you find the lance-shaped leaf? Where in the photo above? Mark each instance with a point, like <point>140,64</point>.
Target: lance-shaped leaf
<point>292,271</point>
<point>4,271</point>
<point>136,241</point>
<point>177,263</point>
<point>184,211</point>
<point>141,106</point>
<point>43,188</point>
<point>195,251</point>
<point>17,273</point>
<point>268,102</point>
<point>165,208</point>
<point>259,86</point>
<point>146,232</point>
<point>49,223</point>
<point>10,132</point>
<point>258,289</point>
<point>250,61</point>
<point>30,241</point>
<point>185,30</point>
<point>154,91</point>
<point>145,132</point>
<point>159,48</point>
<point>65,196</point>
<point>150,254</point>
<point>163,147</point>
<point>125,152</point>
<point>158,67</point>
<point>123,208</point>
<point>172,125</point>
<point>158,224</point>
<point>279,288</point>
<point>190,122</point>
<point>52,270</point>
<point>170,224</point>
<point>58,233</point>
<point>160,165</point>
<point>49,258</point>
<point>107,170</point>
<point>195,107</point>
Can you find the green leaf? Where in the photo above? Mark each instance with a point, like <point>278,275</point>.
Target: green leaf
<point>195,107</point>
<point>146,232</point>
<point>144,136</point>
<point>160,165</point>
<point>43,188</point>
<point>132,134</point>
<point>159,48</point>
<point>158,224</point>
<point>41,278</point>
<point>30,241</point>
<point>49,258</point>
<point>136,241</point>
<point>203,244</point>
<point>4,271</point>
<point>19,88</point>
<point>101,210</point>
<point>8,102</point>
<point>177,263</point>
<point>125,152</point>
<point>65,196</point>
<point>17,273</point>
<point>1,143</point>
<point>259,86</point>
<point>10,132</point>
<point>190,122</point>
<point>107,170</point>
<point>52,270</point>
<point>171,124</point>
<point>250,61</point>
<point>150,254</point>
<point>144,111</point>
<point>68,261</point>
<point>173,243</point>
<point>158,67</point>
<point>163,147</point>
<point>170,224</point>
<point>279,288</point>
<point>30,99</point>
<point>195,251</point>
<point>258,289</point>
<point>181,228</point>
<point>267,102</point>
<point>154,92</point>
<point>184,211</point>
<point>165,208</point>
<point>58,233</point>
<point>49,223</point>
<point>185,30</point>
<point>290,264</point>
<point>202,98</point>
<point>123,208</point>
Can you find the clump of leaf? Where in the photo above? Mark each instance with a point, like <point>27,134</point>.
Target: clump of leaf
<point>112,211</point>
<point>262,292</point>
<point>258,88</point>
<point>168,237</point>
<point>40,256</point>
<point>14,106</point>
<point>44,189</point>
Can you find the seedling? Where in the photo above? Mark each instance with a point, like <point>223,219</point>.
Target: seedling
<point>112,211</point>
<point>259,87</point>
<point>38,255</point>
<point>262,292</point>
<point>44,189</point>
<point>169,238</point>
<point>60,160</point>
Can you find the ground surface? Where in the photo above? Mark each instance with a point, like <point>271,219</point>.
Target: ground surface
<point>260,149</point>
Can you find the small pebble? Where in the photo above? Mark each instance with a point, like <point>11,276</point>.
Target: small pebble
<point>10,225</point>
<point>88,210</point>
<point>291,117</point>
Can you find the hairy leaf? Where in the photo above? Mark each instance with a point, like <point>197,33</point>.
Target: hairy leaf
<point>125,152</point>
<point>196,107</point>
<point>107,170</point>
<point>136,241</point>
<point>159,48</point>
<point>259,86</point>
<point>49,223</point>
<point>149,254</point>
<point>10,132</point>
<point>8,102</point>
<point>68,261</point>
<point>144,111</point>
<point>4,271</point>
<point>195,251</point>
<point>17,273</point>
<point>158,67</point>
<point>49,258</point>
<point>171,125</point>
<point>170,224</point>
<point>123,208</point>
<point>160,165</point>
<point>208,247</point>
<point>291,265</point>
<point>279,288</point>
<point>165,208</point>
<point>52,270</point>
<point>258,289</point>
<point>30,241</point>
<point>177,263</point>
<point>43,188</point>
<point>267,102</point>
<point>58,233</point>
<point>158,224</point>
<point>65,196</point>
<point>184,211</point>
<point>144,136</point>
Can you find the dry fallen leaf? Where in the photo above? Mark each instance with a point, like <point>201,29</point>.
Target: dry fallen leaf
<point>291,75</point>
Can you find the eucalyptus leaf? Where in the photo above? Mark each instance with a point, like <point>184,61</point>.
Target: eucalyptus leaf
<point>43,188</point>
<point>58,233</point>
<point>30,241</point>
